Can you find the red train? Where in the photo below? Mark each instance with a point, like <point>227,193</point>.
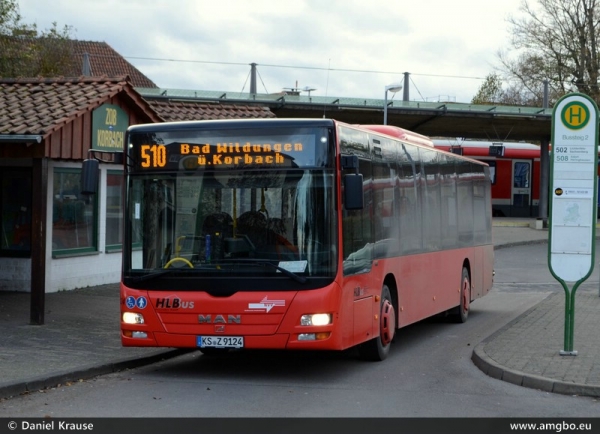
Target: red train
<point>515,172</point>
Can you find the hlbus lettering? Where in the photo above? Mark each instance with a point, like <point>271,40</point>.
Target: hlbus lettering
<point>175,303</point>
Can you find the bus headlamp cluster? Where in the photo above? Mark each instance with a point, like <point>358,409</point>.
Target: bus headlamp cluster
<point>315,319</point>
<point>133,318</point>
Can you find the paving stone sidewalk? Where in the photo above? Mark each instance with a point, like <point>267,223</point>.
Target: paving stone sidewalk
<point>526,351</point>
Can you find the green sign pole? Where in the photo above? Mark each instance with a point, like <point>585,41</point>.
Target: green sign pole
<point>569,318</point>
<point>573,193</point>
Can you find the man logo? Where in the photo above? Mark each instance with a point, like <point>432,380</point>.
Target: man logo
<point>219,319</point>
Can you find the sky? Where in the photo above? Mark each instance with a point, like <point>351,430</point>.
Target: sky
<point>339,48</point>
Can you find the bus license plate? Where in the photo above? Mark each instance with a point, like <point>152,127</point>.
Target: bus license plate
<point>220,341</point>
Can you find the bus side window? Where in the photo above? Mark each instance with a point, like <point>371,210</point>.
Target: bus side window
<point>357,228</point>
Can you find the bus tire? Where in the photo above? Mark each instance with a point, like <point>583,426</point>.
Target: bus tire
<point>377,349</point>
<point>462,311</point>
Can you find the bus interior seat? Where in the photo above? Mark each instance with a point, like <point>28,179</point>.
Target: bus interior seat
<point>218,223</point>
<point>253,224</point>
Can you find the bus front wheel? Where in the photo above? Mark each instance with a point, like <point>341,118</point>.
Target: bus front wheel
<point>462,311</point>
<point>377,349</point>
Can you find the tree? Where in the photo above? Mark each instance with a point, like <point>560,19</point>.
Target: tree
<point>27,52</point>
<point>494,91</point>
<point>490,91</point>
<point>10,19</point>
<point>556,41</point>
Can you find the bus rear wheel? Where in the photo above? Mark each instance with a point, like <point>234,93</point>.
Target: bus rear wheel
<point>377,349</point>
<point>462,311</point>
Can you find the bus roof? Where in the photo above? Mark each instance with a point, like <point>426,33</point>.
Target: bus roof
<point>231,123</point>
<point>400,133</point>
<point>480,148</point>
<point>408,136</point>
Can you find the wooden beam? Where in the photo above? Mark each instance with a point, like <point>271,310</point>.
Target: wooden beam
<point>38,246</point>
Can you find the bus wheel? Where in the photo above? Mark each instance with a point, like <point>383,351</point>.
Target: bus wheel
<point>377,349</point>
<point>462,313</point>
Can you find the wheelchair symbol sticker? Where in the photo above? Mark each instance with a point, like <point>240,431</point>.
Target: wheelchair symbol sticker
<point>130,302</point>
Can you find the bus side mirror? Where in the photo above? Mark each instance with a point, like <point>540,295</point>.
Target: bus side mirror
<point>353,191</point>
<point>90,173</point>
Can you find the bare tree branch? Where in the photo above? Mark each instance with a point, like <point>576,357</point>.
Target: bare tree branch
<point>554,41</point>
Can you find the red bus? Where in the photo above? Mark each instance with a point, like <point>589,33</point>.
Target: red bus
<point>514,169</point>
<point>298,234</point>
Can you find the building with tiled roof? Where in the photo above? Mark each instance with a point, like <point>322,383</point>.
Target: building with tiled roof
<point>53,237</point>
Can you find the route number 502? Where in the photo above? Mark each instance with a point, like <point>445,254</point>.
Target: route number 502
<point>153,156</point>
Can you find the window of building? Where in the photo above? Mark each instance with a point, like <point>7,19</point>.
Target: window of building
<point>15,207</point>
<point>74,215</point>
<point>114,210</point>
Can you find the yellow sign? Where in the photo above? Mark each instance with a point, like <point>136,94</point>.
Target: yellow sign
<point>575,115</point>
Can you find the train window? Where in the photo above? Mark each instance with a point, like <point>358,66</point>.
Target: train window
<point>492,165</point>
<point>521,179</point>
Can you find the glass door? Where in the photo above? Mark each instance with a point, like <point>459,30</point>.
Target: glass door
<point>521,189</point>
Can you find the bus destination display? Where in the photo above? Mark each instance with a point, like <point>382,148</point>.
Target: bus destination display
<point>220,155</point>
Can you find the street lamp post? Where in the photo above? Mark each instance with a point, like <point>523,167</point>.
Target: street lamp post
<point>390,88</point>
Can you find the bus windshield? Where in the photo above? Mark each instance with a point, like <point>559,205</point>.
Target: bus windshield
<point>233,219</point>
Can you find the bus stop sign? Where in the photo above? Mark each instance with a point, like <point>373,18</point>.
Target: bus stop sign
<point>573,192</point>
<point>573,187</point>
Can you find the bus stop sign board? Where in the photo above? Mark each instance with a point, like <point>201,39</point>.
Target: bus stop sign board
<point>573,181</point>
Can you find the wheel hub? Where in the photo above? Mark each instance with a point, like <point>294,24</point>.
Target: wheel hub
<point>465,295</point>
<point>387,324</point>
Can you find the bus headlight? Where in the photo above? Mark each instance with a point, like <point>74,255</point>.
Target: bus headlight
<point>133,318</point>
<point>315,319</point>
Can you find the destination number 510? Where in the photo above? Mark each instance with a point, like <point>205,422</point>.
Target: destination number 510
<point>153,155</point>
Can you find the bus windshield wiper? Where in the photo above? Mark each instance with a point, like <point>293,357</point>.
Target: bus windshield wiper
<point>294,276</point>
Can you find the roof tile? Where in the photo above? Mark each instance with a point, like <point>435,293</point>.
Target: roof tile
<point>103,59</point>
<point>186,111</point>
<point>40,105</point>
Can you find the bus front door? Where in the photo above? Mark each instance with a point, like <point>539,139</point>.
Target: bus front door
<point>521,189</point>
